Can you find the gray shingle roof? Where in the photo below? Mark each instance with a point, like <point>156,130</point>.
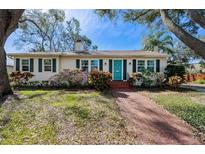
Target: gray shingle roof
<point>99,53</point>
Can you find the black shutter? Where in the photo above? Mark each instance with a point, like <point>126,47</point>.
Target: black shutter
<point>110,65</point>
<point>124,69</point>
<point>17,64</point>
<point>54,65</point>
<point>78,63</point>
<point>101,65</point>
<point>134,65</point>
<point>40,65</point>
<point>157,65</point>
<point>31,65</point>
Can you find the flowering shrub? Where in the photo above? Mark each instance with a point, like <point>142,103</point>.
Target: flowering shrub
<point>20,78</point>
<point>136,79</point>
<point>147,79</point>
<point>69,78</point>
<point>100,80</point>
<point>174,81</point>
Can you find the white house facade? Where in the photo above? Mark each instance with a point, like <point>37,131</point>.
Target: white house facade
<point>121,64</point>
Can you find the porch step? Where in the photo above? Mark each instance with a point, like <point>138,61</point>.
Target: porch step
<point>120,85</point>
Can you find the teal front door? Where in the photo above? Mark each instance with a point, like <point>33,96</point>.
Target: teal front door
<point>117,70</point>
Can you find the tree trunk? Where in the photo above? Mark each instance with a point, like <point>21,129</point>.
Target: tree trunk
<point>195,44</point>
<point>5,88</point>
<point>197,17</point>
<point>8,23</point>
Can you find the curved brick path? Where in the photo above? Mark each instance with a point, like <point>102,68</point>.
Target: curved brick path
<point>151,123</point>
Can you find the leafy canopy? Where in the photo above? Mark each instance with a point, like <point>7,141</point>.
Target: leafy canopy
<point>49,31</point>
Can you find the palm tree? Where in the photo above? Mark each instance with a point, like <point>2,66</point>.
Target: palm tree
<point>161,40</point>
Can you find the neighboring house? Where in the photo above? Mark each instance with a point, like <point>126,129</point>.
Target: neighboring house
<point>121,64</point>
<point>10,68</point>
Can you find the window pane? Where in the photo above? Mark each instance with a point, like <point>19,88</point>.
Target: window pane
<point>141,65</point>
<point>94,64</point>
<point>25,68</point>
<point>84,65</point>
<point>150,65</point>
<point>47,68</point>
<point>25,62</point>
<point>47,61</point>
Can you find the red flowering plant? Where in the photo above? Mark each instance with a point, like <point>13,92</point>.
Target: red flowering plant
<point>100,80</point>
<point>20,78</point>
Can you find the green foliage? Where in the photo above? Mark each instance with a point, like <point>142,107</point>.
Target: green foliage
<point>152,79</point>
<point>152,18</point>
<point>184,107</point>
<point>68,78</point>
<point>62,117</point>
<point>202,63</point>
<point>182,54</point>
<point>49,31</point>
<point>161,40</point>
<point>174,69</point>
<point>199,81</point>
<point>100,80</point>
<point>20,78</point>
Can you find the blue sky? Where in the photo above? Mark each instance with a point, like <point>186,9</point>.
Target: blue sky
<point>107,35</point>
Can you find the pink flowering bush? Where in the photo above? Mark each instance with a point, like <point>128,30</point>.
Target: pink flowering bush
<point>69,78</point>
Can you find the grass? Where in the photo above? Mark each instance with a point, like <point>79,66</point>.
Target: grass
<point>189,106</point>
<point>199,81</point>
<point>62,117</point>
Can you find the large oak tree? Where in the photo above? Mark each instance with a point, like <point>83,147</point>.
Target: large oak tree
<point>8,24</point>
<point>184,24</point>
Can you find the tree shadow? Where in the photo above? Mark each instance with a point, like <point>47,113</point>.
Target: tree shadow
<point>163,89</point>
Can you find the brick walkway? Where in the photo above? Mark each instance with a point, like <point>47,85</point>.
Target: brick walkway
<point>151,123</point>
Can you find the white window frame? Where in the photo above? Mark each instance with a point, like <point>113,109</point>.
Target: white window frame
<point>47,65</point>
<point>81,64</point>
<point>138,64</point>
<point>91,63</point>
<point>25,65</point>
<point>154,65</point>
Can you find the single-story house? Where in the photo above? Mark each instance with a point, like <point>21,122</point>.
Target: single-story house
<point>120,63</point>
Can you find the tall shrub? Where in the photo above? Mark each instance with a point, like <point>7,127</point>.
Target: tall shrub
<point>175,70</point>
<point>100,80</point>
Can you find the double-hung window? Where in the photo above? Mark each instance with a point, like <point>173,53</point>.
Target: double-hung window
<point>84,65</point>
<point>150,65</point>
<point>47,65</point>
<point>25,65</point>
<point>141,65</point>
<point>94,64</point>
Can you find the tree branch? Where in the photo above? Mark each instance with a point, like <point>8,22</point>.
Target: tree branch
<point>195,44</point>
<point>141,14</point>
<point>33,22</point>
<point>197,17</point>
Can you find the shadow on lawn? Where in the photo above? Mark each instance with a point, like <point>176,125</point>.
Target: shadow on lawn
<point>163,89</point>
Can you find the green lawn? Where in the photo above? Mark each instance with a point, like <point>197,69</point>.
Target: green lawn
<point>188,105</point>
<point>62,117</point>
<point>199,81</point>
